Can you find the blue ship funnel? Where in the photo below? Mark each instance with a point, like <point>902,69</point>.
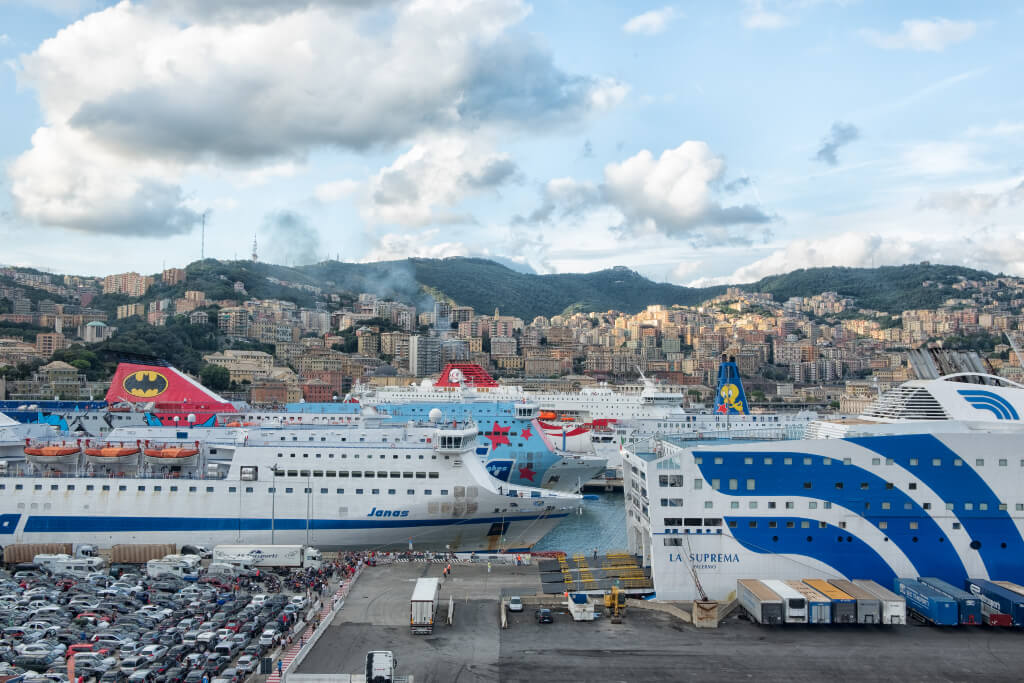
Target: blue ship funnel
<point>730,398</point>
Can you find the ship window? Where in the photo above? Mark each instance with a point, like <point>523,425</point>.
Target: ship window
<point>912,486</point>
<point>678,521</point>
<point>826,461</point>
<point>734,505</point>
<point>382,475</point>
<point>303,473</point>
<point>752,524</point>
<point>357,474</point>
<point>672,541</point>
<point>863,486</point>
<point>807,484</point>
<point>88,487</point>
<point>410,492</point>
<point>957,462</point>
<point>771,505</point>
<point>822,525</point>
<point>716,484</point>
<point>318,473</point>
<point>889,486</point>
<point>886,506</point>
<point>908,506</point>
<point>805,525</point>
<point>767,461</point>
<point>812,505</point>
<point>789,505</point>
<point>700,461</point>
<point>18,487</point>
<point>1002,462</point>
<point>927,506</point>
<point>340,491</point>
<point>773,525</point>
<point>192,489</point>
<point>913,525</point>
<point>330,473</point>
<point>289,489</point>
<point>752,505</point>
<point>842,525</point>
<point>790,525</point>
<point>980,462</point>
<point>444,492</point>
<point>712,521</point>
<point>122,488</point>
<point>936,462</point>
<point>232,489</point>
<point>787,461</point>
<point>39,487</point>
<point>734,484</point>
<point>718,460</point>
<point>369,474</point>
<point>748,461</point>
<point>876,461</point>
<point>428,492</point>
<point>698,484</point>
<point>435,475</point>
<point>359,492</point>
<point>807,461</point>
<point>839,484</point>
<point>708,505</point>
<point>913,462</point>
<point>375,492</point>
<point>956,525</point>
<point>732,525</point>
<point>1019,507</point>
<point>293,473</point>
<point>248,489</point>
<point>342,473</point>
<point>323,490</point>
<point>983,506</point>
<point>883,525</point>
<point>751,484</point>
<point>827,505</point>
<point>968,506</point>
<point>209,489</point>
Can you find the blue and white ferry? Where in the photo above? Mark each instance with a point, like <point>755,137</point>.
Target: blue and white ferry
<point>929,481</point>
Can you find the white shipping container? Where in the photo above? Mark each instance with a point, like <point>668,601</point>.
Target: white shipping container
<point>794,604</point>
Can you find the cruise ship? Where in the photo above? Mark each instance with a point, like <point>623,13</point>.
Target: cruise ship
<point>929,481</point>
<point>368,484</point>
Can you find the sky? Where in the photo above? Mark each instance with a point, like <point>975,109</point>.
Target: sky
<point>695,142</point>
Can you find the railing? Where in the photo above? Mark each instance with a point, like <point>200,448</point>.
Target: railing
<point>198,476</point>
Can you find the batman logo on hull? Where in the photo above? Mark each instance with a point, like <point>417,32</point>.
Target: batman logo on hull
<point>145,384</point>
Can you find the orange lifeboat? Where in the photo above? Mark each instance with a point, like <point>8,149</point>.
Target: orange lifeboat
<point>52,454</point>
<point>168,455</point>
<point>111,452</point>
<point>112,455</point>
<point>547,415</point>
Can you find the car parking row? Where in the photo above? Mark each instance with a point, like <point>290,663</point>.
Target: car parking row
<point>122,627</point>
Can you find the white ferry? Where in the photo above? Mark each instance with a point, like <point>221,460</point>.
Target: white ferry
<point>927,482</point>
<point>364,485</point>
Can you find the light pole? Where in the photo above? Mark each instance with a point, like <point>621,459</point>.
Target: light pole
<point>273,501</point>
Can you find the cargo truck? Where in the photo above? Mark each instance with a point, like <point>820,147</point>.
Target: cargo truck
<point>423,607</point>
<point>928,603</point>
<point>258,556</point>
<point>999,606</point>
<point>762,604</point>
<point>869,608</point>
<point>819,607</point>
<point>844,608</point>
<point>894,607</point>
<point>794,604</point>
<point>968,605</point>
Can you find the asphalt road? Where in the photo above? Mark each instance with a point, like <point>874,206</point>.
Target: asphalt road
<point>647,646</point>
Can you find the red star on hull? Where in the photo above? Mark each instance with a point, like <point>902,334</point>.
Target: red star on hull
<point>527,473</point>
<point>499,436</point>
<point>527,433</point>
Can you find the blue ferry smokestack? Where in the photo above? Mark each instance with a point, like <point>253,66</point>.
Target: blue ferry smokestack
<point>730,398</point>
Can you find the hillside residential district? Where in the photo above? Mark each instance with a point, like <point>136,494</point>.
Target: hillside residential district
<point>821,350</point>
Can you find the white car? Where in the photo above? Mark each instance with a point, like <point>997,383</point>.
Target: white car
<point>269,638</point>
<point>153,651</point>
<point>515,604</point>
<point>259,599</point>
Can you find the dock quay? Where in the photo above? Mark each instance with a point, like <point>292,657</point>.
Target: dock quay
<point>648,644</point>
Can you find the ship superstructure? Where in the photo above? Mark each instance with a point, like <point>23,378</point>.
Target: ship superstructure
<point>367,485</point>
<point>928,482</point>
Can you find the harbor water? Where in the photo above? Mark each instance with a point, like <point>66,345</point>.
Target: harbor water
<point>601,525</point>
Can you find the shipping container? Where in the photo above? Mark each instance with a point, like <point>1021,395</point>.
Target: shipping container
<point>269,555</point>
<point>819,607</point>
<point>894,607</point>
<point>844,608</point>
<point>997,601</point>
<point>794,605</point>
<point>869,607</point>
<point>423,606</point>
<point>1010,585</point>
<point>969,605</point>
<point>762,604</point>
<point>929,603</point>
<point>140,553</point>
<point>17,553</point>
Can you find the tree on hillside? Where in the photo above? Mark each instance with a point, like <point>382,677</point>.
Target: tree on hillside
<point>215,377</point>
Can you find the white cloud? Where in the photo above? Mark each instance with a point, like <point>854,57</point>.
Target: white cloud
<point>651,22</point>
<point>4,39</point>
<point>333,191</point>
<point>757,17</point>
<point>176,88</point>
<point>924,35</point>
<point>675,193</point>
<point>974,202</point>
<point>436,173</point>
<point>684,271</point>
<point>939,158</point>
<point>395,246</point>
<point>1001,129</point>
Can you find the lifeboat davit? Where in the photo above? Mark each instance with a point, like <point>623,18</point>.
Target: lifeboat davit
<point>52,454</point>
<point>111,455</point>
<point>169,455</point>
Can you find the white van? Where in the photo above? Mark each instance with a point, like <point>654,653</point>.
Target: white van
<point>222,569</point>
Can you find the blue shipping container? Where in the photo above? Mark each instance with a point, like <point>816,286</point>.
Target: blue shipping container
<point>931,604</point>
<point>998,600</point>
<point>970,605</point>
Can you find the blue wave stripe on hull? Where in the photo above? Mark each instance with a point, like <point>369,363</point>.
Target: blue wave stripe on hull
<point>851,556</point>
<point>1001,546</point>
<point>9,523</point>
<point>849,486</point>
<point>83,524</point>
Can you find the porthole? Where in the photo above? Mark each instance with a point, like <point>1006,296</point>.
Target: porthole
<point>975,545</point>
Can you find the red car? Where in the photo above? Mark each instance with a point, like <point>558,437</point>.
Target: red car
<point>234,625</point>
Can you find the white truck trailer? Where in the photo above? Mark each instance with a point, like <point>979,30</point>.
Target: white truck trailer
<point>794,604</point>
<point>257,556</point>
<point>761,603</point>
<point>423,607</point>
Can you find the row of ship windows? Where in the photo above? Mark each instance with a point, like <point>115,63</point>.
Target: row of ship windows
<point>913,462</point>
<point>813,505</point>
<point>676,481</point>
<point>772,524</point>
<point>344,456</point>
<point>368,474</point>
<point>210,489</point>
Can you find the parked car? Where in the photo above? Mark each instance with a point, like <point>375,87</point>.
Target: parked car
<point>515,604</point>
<point>544,616</point>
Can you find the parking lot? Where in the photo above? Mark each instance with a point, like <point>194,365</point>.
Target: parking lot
<point>119,625</point>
